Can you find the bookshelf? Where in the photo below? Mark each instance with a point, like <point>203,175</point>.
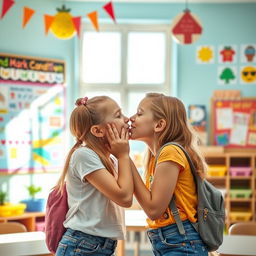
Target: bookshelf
<point>233,172</point>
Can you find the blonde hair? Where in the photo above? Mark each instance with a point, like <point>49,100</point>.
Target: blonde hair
<point>178,129</point>
<point>83,117</point>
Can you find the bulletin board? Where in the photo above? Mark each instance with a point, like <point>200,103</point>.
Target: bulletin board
<point>234,122</point>
<point>32,114</point>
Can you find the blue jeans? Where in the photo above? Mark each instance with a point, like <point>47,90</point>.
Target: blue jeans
<point>77,243</point>
<point>167,241</point>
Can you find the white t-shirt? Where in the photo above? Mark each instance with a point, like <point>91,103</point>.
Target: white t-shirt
<point>89,210</point>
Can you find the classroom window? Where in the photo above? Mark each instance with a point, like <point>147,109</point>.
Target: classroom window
<point>147,50</point>
<point>124,62</point>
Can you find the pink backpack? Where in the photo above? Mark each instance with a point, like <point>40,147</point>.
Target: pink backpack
<point>56,210</point>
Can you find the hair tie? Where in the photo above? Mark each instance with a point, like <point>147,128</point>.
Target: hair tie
<point>81,101</point>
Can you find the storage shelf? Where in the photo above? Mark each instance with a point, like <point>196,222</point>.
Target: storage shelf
<point>241,200</point>
<point>28,219</point>
<point>241,178</point>
<point>230,159</point>
<point>216,178</point>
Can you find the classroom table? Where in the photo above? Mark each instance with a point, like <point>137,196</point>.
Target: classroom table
<point>25,243</point>
<point>238,245</point>
<point>135,220</point>
<point>232,244</point>
<point>33,243</point>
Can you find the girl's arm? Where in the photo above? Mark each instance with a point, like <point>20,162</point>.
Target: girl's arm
<point>119,190</point>
<point>155,201</point>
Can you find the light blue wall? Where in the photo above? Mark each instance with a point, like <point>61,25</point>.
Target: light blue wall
<point>222,24</point>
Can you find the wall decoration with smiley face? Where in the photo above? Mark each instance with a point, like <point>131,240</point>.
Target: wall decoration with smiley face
<point>248,75</point>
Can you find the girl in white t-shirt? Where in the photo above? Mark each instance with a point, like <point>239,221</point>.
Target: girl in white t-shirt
<point>97,188</point>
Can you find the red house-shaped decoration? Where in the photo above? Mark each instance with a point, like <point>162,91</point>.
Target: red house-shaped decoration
<point>185,26</point>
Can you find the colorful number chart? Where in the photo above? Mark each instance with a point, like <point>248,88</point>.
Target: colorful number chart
<point>234,122</point>
<point>32,114</point>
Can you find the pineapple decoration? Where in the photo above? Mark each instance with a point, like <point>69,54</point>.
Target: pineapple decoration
<point>62,25</point>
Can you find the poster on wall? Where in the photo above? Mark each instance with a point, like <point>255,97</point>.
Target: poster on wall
<point>227,54</point>
<point>234,122</point>
<point>227,75</point>
<point>248,74</point>
<point>248,53</point>
<point>32,114</point>
<point>197,118</point>
<point>205,54</point>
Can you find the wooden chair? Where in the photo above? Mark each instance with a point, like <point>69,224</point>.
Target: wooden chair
<point>243,228</point>
<point>12,227</point>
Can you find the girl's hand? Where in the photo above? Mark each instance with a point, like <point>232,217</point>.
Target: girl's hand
<point>118,144</point>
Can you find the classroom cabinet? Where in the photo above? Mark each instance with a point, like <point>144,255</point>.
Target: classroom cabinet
<point>29,219</point>
<point>234,174</point>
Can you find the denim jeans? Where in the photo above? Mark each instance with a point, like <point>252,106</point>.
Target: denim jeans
<point>167,241</point>
<point>77,243</point>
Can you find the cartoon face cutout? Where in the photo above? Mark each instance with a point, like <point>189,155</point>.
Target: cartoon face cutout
<point>248,74</point>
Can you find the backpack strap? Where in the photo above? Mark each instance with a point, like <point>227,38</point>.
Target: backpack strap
<point>176,215</point>
<point>172,204</point>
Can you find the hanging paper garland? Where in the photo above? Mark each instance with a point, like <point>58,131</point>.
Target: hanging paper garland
<point>27,15</point>
<point>186,28</point>
<point>62,25</point>
<point>48,19</point>
<point>93,16</point>
<point>7,4</point>
<point>77,24</point>
<point>108,7</point>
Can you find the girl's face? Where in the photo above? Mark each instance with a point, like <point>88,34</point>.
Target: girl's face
<point>115,116</point>
<point>142,123</point>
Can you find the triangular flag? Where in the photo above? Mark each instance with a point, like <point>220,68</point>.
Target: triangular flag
<point>109,9</point>
<point>27,14</point>
<point>48,19</point>
<point>7,4</point>
<point>77,24</point>
<point>93,16</point>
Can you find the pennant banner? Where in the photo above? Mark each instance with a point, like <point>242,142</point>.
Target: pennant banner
<point>7,4</point>
<point>48,19</point>
<point>110,10</point>
<point>93,16</point>
<point>77,24</point>
<point>27,15</point>
<point>63,16</point>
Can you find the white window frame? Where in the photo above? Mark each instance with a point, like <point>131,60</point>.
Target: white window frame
<point>123,87</point>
